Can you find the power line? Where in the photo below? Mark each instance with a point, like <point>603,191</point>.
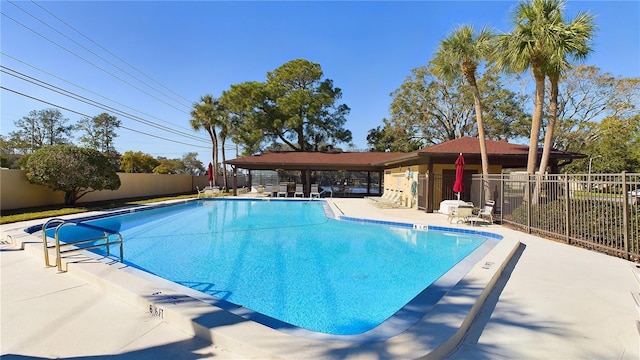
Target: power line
<point>90,63</point>
<point>97,55</point>
<point>88,101</point>
<point>87,90</point>
<point>82,114</point>
<point>109,52</point>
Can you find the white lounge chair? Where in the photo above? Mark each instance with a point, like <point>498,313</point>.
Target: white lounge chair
<point>299,191</point>
<point>393,201</point>
<point>283,190</point>
<point>208,191</point>
<point>385,196</point>
<point>268,189</point>
<point>391,196</point>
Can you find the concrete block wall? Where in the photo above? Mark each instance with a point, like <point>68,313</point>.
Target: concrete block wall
<point>17,192</point>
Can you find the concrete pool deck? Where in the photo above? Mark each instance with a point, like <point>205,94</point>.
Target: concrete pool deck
<point>552,301</point>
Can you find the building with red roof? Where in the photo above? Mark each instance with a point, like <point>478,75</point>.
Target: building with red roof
<point>423,176</point>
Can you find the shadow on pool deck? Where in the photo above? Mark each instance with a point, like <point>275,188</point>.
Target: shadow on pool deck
<point>551,301</point>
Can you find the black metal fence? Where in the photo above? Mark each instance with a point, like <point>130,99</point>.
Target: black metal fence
<point>594,211</point>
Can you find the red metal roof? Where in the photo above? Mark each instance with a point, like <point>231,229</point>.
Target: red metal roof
<point>502,152</point>
<point>471,145</point>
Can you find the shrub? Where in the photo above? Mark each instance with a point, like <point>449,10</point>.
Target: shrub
<point>76,171</point>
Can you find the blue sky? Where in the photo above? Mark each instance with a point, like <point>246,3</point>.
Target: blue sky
<point>178,51</point>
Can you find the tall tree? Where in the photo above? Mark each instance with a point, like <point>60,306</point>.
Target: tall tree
<point>434,110</point>
<point>99,131</point>
<point>205,115</point>
<point>294,106</point>
<point>8,157</point>
<point>572,40</point>
<point>461,53</point>
<point>430,110</point>
<point>191,165</point>
<point>168,166</point>
<point>527,47</point>
<point>41,128</point>
<point>188,164</point>
<point>247,103</point>
<point>391,138</point>
<point>617,141</point>
<point>504,116</point>
<point>137,162</point>
<point>584,96</point>
<point>224,123</point>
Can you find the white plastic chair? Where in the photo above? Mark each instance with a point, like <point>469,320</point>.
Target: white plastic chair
<point>461,214</point>
<point>283,190</point>
<point>314,191</point>
<point>485,214</point>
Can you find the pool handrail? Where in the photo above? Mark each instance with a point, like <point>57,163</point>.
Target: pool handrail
<point>62,222</point>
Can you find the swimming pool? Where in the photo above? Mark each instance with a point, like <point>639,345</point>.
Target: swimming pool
<point>289,261</point>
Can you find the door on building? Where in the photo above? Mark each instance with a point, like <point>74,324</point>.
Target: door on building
<point>422,191</point>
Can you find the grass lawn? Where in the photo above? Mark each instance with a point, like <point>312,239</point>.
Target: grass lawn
<point>11,216</point>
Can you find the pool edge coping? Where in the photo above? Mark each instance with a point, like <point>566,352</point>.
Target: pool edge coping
<point>230,331</point>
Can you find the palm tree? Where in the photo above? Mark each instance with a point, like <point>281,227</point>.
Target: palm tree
<point>461,53</point>
<point>572,40</point>
<point>203,116</point>
<point>223,123</point>
<point>528,46</point>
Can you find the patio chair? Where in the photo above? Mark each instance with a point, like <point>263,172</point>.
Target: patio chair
<point>393,201</point>
<point>299,191</point>
<point>461,213</point>
<point>484,214</point>
<point>385,196</point>
<point>208,191</point>
<point>283,190</point>
<point>393,197</point>
<point>314,191</point>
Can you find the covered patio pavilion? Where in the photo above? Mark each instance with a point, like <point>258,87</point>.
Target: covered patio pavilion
<point>308,162</point>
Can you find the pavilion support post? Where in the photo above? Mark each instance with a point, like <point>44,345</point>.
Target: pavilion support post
<point>368,183</point>
<point>305,176</point>
<point>235,181</point>
<point>430,184</point>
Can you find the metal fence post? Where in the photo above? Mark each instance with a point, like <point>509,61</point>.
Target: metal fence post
<point>528,199</point>
<point>567,202</point>
<point>625,217</point>
<point>502,176</point>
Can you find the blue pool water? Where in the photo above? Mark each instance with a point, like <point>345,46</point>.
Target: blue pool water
<point>288,260</point>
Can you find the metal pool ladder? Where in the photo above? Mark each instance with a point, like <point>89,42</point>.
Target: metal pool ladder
<point>103,241</point>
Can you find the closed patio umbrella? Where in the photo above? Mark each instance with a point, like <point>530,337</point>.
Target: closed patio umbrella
<point>210,174</point>
<point>458,186</point>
